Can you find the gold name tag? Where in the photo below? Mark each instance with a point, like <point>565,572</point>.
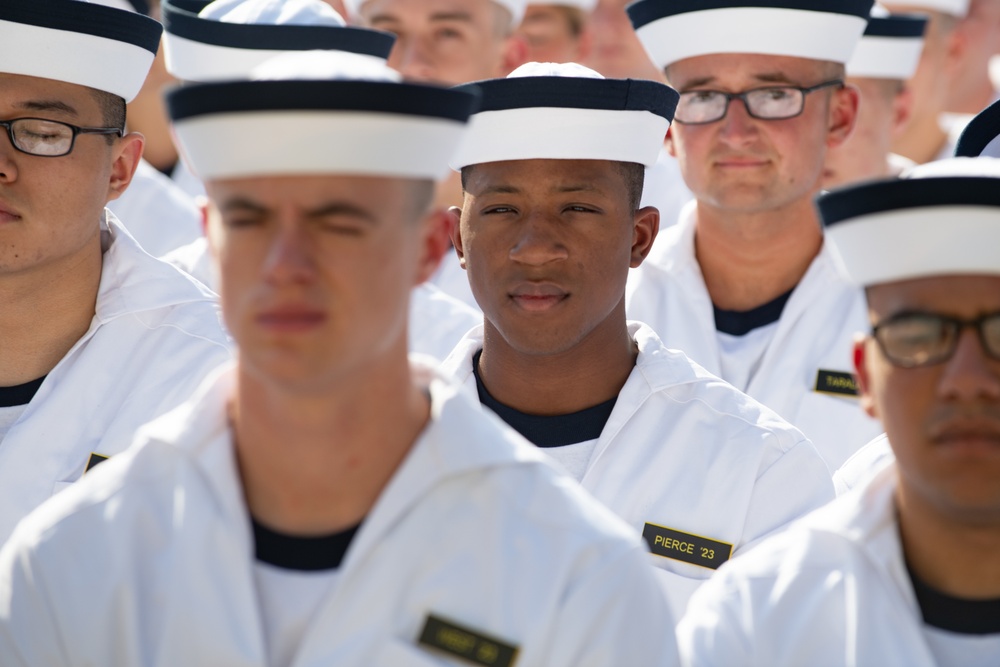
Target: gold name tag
<point>462,642</point>
<point>686,547</point>
<point>836,382</point>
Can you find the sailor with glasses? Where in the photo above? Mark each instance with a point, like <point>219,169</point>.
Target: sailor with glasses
<point>903,570</point>
<point>98,337</point>
<point>743,283</point>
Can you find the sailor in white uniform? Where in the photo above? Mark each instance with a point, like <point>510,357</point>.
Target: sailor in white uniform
<point>904,569</point>
<point>226,39</point>
<point>745,285</point>
<point>98,337</point>
<point>552,170</point>
<point>325,502</point>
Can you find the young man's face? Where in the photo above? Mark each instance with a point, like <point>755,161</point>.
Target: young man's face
<point>316,271</point>
<point>442,41</point>
<point>616,51</point>
<point>943,421</point>
<point>882,113</point>
<point>547,245</point>
<point>554,34</point>
<point>50,207</point>
<point>747,165</point>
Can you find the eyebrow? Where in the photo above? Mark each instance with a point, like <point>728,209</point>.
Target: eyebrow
<point>241,204</point>
<point>439,16</point>
<point>559,189</point>
<point>47,105</point>
<point>342,209</point>
<point>765,77</point>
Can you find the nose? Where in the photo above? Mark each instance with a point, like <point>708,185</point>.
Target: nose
<point>537,241</point>
<point>970,374</point>
<point>410,57</point>
<point>738,126</point>
<point>8,170</point>
<point>289,259</point>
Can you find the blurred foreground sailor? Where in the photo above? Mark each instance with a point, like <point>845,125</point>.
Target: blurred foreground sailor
<point>884,61</point>
<point>548,232</point>
<point>324,501</point>
<point>98,337</point>
<point>903,570</point>
<point>226,39</point>
<point>745,285</point>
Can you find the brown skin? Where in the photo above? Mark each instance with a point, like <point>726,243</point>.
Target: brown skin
<point>754,180</point>
<point>547,245</point>
<point>548,31</point>
<point>50,210</point>
<point>316,273</point>
<point>943,423</point>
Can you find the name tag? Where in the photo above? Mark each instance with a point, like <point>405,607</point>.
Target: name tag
<point>836,382</point>
<point>462,642</point>
<point>686,547</point>
<point>94,459</point>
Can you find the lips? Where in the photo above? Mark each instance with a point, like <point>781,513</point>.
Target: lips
<point>7,213</point>
<point>977,434</point>
<point>291,319</point>
<point>537,297</point>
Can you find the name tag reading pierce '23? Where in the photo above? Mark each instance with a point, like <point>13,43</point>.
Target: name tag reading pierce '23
<point>686,547</point>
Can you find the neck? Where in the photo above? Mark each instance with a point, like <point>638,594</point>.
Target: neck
<point>953,556</point>
<point>46,310</point>
<point>588,373</point>
<point>921,140</point>
<point>315,462</point>
<point>750,259</point>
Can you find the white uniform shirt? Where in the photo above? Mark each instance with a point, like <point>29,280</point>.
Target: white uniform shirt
<point>155,336</point>
<point>831,590</point>
<point>684,451</point>
<point>811,344</point>
<point>150,561</point>
<point>156,212</point>
<point>863,465</point>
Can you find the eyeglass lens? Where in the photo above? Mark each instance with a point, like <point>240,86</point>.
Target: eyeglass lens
<point>920,340</point>
<point>41,137</point>
<point>768,103</point>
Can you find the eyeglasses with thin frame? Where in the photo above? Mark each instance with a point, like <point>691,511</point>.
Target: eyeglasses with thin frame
<point>914,340</point>
<point>698,107</point>
<point>48,138</point>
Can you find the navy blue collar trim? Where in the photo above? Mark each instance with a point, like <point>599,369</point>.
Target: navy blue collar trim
<point>577,93</point>
<point>19,394</point>
<point>306,554</point>
<point>404,99</point>
<point>648,11</point>
<point>980,131</point>
<point>899,25</point>
<point>942,611</point>
<point>845,204</point>
<point>742,322</point>
<point>548,431</point>
<point>182,19</point>
<point>86,18</point>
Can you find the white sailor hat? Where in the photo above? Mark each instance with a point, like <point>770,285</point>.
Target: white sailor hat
<point>227,39</point>
<point>320,112</point>
<point>586,6</point>
<point>981,137</point>
<point>890,47</point>
<point>672,30</point>
<point>514,7</point>
<point>567,112</point>
<point>78,42</point>
<point>942,218</point>
<point>957,8</point>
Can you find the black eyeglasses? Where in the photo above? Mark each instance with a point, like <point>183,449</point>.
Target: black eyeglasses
<point>697,107</point>
<point>912,340</point>
<point>48,138</point>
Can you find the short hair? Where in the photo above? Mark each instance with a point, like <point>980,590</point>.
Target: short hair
<point>632,173</point>
<point>828,70</point>
<point>112,110</point>
<point>421,198</point>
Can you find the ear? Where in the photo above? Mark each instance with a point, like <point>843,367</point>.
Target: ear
<point>861,359</point>
<point>584,43</point>
<point>201,201</point>
<point>455,213</point>
<point>902,109</point>
<point>843,115</point>
<point>646,225</point>
<point>126,154</point>
<point>668,142</point>
<point>435,243</point>
<point>513,54</point>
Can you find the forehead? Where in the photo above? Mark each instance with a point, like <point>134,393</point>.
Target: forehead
<point>738,69</point>
<point>310,191</point>
<point>411,11</point>
<point>544,175</point>
<point>19,93</point>
<point>957,295</point>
